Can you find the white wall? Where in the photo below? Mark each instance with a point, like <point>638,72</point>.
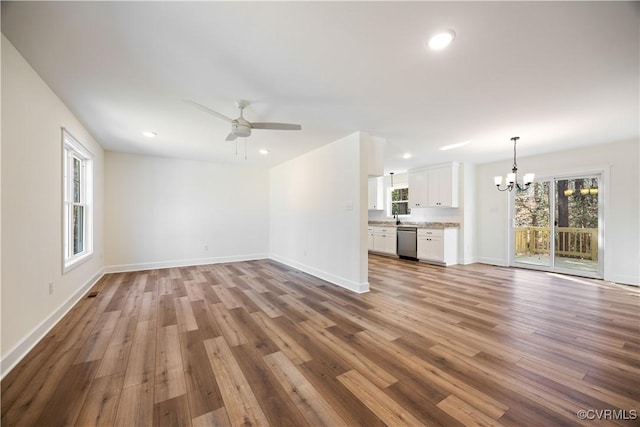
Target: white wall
<point>622,204</point>
<point>468,208</point>
<point>32,117</point>
<point>164,212</point>
<point>319,213</point>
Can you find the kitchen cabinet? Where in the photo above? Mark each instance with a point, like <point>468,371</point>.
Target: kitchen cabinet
<point>443,186</point>
<point>418,189</point>
<point>434,187</point>
<point>370,238</point>
<point>375,198</point>
<point>438,246</point>
<point>384,240</point>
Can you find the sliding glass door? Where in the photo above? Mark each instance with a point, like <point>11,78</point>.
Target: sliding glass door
<point>557,225</point>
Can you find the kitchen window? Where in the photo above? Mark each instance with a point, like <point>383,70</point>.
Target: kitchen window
<point>77,202</point>
<point>399,201</point>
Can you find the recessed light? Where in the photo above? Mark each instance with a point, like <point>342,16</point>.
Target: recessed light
<point>264,152</point>
<point>441,40</point>
<point>451,146</point>
<point>406,156</point>
<point>149,134</point>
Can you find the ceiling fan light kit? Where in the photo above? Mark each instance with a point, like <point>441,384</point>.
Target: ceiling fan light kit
<point>241,127</point>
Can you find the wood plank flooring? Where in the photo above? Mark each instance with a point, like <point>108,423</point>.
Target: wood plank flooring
<point>257,343</point>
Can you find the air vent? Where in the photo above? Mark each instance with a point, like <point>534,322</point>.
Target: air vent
<point>92,295</point>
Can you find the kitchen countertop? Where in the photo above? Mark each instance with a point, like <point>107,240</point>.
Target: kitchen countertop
<point>417,224</point>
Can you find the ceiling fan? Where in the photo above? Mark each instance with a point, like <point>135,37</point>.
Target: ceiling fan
<point>241,127</point>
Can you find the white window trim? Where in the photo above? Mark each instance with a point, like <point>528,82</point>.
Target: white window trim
<point>391,202</point>
<point>72,147</point>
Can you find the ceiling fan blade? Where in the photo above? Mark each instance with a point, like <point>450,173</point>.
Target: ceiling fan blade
<point>209,110</point>
<point>231,137</point>
<point>276,126</point>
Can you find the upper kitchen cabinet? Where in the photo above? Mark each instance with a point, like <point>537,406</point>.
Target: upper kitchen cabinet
<point>443,186</point>
<point>376,200</point>
<point>418,189</point>
<point>434,187</point>
<point>375,154</point>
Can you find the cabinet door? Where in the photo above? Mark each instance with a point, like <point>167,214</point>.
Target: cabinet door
<point>423,247</point>
<point>431,245</point>
<point>378,242</point>
<point>436,246</point>
<point>443,186</point>
<point>391,243</point>
<point>372,193</point>
<point>430,248</point>
<point>370,240</point>
<point>418,189</point>
<point>433,184</point>
<point>375,200</point>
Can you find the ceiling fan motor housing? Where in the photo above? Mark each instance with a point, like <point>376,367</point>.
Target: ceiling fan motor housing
<point>241,129</point>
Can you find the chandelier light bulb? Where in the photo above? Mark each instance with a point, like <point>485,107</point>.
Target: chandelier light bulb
<point>512,178</point>
<point>528,178</point>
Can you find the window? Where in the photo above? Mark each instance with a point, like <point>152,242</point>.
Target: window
<point>400,201</point>
<point>78,197</point>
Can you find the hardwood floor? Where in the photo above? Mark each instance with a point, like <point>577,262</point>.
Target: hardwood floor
<point>257,343</point>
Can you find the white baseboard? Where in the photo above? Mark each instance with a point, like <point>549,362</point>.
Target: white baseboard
<point>493,261</point>
<point>356,287</point>
<point>182,263</point>
<point>623,279</point>
<point>20,350</point>
<point>467,261</point>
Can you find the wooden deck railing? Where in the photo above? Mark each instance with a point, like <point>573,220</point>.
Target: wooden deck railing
<point>570,242</point>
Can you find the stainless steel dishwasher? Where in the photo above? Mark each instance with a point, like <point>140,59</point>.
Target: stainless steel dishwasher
<point>407,242</point>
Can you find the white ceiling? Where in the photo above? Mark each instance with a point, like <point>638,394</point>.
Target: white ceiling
<point>558,74</point>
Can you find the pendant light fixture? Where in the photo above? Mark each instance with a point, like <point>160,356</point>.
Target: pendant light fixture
<point>512,178</point>
<point>391,175</point>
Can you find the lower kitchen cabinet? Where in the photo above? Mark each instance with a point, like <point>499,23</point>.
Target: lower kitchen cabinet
<point>438,246</point>
<point>382,239</point>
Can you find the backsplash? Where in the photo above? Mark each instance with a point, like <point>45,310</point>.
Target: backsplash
<point>423,214</point>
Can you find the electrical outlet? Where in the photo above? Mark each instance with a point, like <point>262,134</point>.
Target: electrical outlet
<point>50,288</point>
<point>206,247</point>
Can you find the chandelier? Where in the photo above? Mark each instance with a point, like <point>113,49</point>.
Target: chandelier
<point>512,178</point>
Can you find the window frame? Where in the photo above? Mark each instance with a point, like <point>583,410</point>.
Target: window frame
<point>72,150</point>
<point>391,201</point>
